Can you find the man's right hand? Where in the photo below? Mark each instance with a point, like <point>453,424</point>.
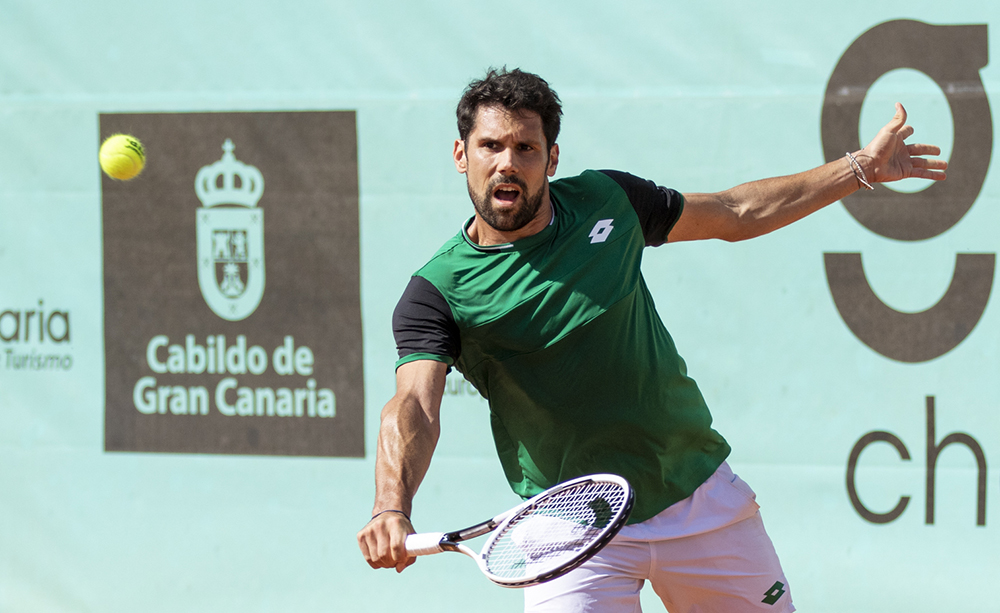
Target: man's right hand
<point>383,541</point>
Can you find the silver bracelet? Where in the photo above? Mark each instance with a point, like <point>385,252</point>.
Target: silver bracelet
<point>856,167</point>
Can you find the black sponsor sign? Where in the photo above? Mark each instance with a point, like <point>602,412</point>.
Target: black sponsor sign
<point>232,286</point>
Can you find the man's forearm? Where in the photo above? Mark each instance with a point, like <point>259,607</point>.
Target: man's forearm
<point>407,436</point>
<point>756,208</point>
<point>406,442</point>
<point>759,207</point>
<point>763,206</point>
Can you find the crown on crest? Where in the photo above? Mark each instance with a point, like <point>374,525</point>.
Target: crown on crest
<point>226,171</point>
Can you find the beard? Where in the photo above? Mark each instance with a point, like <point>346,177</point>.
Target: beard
<point>514,219</point>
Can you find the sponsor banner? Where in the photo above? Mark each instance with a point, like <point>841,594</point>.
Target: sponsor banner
<point>912,338</point>
<point>961,52</point>
<point>231,286</point>
<point>35,338</point>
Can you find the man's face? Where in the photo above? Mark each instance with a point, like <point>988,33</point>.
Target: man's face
<point>507,163</point>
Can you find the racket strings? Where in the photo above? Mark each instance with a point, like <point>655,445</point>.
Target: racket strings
<point>556,530</point>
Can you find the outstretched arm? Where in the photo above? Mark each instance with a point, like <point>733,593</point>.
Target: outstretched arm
<point>759,207</point>
<point>407,437</point>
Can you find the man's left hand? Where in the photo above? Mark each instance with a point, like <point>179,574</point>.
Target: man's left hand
<point>889,158</point>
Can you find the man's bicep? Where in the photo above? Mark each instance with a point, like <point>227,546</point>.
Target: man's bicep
<point>422,381</point>
<point>704,216</point>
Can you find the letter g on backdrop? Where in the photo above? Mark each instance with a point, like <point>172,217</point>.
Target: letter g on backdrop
<point>952,57</point>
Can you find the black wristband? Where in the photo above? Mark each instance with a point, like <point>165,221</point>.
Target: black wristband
<point>390,511</point>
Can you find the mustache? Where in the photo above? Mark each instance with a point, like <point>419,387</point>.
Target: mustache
<point>514,180</point>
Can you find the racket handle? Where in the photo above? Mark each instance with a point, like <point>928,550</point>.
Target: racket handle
<point>424,543</point>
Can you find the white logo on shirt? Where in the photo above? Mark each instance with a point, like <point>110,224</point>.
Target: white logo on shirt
<point>601,231</point>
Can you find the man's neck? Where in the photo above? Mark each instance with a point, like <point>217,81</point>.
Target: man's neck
<point>486,235</point>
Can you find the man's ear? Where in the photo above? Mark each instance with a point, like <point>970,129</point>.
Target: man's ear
<point>461,164</point>
<point>553,160</point>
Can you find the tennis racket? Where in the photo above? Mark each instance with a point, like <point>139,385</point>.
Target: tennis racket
<point>545,536</point>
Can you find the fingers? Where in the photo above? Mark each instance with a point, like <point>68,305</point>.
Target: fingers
<point>928,169</point>
<point>922,149</point>
<point>898,121</point>
<point>893,159</point>
<point>923,173</point>
<point>383,542</point>
<point>924,168</point>
<point>932,164</point>
<point>406,561</point>
<point>397,550</point>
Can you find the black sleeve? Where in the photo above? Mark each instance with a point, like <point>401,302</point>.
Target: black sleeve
<point>658,208</point>
<point>423,323</point>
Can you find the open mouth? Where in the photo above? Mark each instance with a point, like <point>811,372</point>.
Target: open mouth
<point>506,194</point>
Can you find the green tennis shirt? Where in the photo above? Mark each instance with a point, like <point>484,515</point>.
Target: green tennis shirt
<point>559,332</point>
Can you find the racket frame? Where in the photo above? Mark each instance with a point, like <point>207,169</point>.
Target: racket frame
<point>435,542</point>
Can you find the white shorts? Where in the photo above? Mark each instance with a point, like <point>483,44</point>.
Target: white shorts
<point>708,553</point>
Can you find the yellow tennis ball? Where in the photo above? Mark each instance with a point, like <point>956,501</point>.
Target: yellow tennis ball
<point>122,157</point>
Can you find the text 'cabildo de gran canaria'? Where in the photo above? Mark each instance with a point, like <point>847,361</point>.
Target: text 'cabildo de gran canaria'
<point>214,357</point>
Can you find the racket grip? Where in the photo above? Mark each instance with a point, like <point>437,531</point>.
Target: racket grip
<point>424,543</point>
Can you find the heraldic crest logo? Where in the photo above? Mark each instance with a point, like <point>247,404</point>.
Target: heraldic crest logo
<point>230,231</point>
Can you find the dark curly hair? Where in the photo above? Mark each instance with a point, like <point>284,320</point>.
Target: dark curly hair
<point>514,90</point>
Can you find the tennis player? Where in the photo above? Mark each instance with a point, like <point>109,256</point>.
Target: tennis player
<point>540,303</point>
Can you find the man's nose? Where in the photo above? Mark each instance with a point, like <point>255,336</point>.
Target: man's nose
<point>506,163</point>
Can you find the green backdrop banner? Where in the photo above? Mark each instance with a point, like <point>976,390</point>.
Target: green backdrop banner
<point>849,359</point>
